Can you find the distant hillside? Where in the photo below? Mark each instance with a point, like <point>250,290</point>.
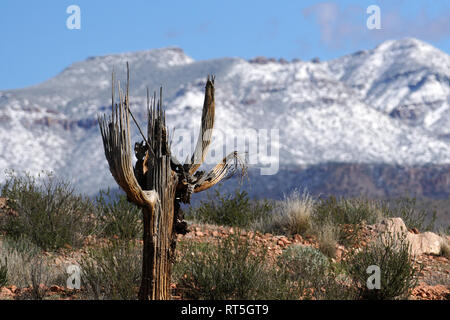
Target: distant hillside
<point>383,113</point>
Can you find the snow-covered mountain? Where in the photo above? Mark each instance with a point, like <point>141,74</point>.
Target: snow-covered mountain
<point>407,79</point>
<point>388,105</point>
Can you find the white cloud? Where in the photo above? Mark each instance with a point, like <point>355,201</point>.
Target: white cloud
<point>346,26</point>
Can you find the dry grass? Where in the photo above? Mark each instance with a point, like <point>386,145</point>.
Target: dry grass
<point>327,236</point>
<point>291,216</point>
<point>445,248</point>
<point>28,267</point>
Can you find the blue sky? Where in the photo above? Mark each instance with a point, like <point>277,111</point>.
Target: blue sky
<point>35,43</point>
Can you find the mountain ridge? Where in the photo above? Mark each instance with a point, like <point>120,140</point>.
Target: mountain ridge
<point>320,109</point>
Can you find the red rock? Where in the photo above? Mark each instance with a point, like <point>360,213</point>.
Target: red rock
<point>199,233</point>
<point>13,288</point>
<point>5,292</point>
<point>55,288</point>
<point>215,234</point>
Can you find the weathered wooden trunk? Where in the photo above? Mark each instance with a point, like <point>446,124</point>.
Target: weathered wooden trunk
<point>158,183</point>
<point>159,234</point>
<point>159,245</point>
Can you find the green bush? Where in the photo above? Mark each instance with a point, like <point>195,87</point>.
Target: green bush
<point>233,268</point>
<point>348,211</point>
<point>112,271</point>
<point>229,269</point>
<point>28,267</point>
<point>3,272</point>
<point>411,213</point>
<point>229,210</point>
<point>445,250</point>
<point>327,237</point>
<point>312,274</point>
<point>305,262</point>
<point>340,212</point>
<point>19,253</point>
<point>391,253</point>
<point>118,217</point>
<point>49,213</point>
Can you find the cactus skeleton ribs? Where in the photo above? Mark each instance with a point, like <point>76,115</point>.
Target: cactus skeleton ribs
<point>159,183</point>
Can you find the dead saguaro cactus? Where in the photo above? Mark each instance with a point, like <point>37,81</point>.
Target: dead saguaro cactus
<point>159,183</point>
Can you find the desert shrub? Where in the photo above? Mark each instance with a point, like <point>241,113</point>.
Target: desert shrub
<point>391,253</point>
<point>304,261</point>
<point>118,217</point>
<point>230,268</point>
<point>342,213</point>
<point>312,274</point>
<point>112,271</point>
<point>3,272</point>
<point>327,237</point>
<point>48,211</point>
<point>412,214</point>
<point>39,274</point>
<point>348,211</point>
<point>290,216</point>
<point>20,254</point>
<point>27,267</point>
<point>445,248</point>
<point>229,209</point>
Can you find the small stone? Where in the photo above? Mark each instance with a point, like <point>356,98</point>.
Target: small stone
<point>55,288</point>
<point>6,292</point>
<point>199,233</point>
<point>215,234</point>
<point>13,288</point>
